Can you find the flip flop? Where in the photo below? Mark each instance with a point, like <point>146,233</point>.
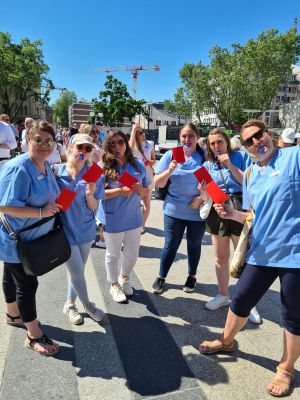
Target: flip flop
<point>13,321</point>
<point>44,339</point>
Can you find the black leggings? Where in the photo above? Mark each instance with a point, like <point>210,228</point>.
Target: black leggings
<point>19,287</point>
<point>256,280</point>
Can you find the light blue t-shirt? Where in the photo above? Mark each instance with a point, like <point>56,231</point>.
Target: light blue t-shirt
<point>239,159</point>
<point>79,219</point>
<point>274,192</point>
<point>183,187</point>
<point>22,184</point>
<point>121,214</point>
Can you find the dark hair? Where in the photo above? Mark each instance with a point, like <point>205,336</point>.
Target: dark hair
<point>109,161</point>
<point>216,131</point>
<point>44,126</point>
<point>193,128</point>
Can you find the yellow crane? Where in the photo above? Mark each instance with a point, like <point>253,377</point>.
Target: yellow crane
<point>134,71</point>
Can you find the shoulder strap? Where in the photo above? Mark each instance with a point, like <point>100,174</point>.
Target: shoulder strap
<point>13,234</point>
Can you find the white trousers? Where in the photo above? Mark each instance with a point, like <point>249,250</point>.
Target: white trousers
<point>131,244</point>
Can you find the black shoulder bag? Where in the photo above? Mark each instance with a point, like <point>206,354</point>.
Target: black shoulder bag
<point>44,253</point>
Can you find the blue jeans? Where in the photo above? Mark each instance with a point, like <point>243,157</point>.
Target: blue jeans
<point>174,230</point>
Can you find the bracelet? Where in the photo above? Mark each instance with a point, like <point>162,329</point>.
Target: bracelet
<point>40,213</point>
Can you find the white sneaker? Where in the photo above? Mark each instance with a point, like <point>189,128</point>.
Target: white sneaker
<point>100,244</point>
<point>217,302</point>
<point>94,312</point>
<point>254,317</point>
<point>125,286</point>
<point>117,293</point>
<point>72,312</point>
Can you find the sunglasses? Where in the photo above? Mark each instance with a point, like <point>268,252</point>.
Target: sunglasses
<point>48,142</point>
<point>119,142</point>
<point>257,135</point>
<point>84,147</point>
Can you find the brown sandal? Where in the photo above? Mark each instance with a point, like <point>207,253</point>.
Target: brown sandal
<point>12,320</point>
<point>283,385</point>
<point>209,349</point>
<point>44,339</point>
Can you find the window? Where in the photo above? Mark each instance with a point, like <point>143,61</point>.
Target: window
<point>167,122</point>
<point>158,122</point>
<point>277,99</point>
<point>173,123</point>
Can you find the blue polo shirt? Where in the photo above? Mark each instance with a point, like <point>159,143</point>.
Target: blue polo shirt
<point>239,159</point>
<point>183,187</point>
<point>22,184</point>
<point>121,214</point>
<point>274,192</point>
<point>79,219</point>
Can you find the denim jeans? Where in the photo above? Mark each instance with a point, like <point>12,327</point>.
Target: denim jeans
<point>174,230</point>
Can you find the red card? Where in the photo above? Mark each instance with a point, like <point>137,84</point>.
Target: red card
<point>217,194</point>
<point>178,154</point>
<point>65,198</point>
<point>127,180</point>
<point>146,162</point>
<point>202,175</point>
<point>93,173</point>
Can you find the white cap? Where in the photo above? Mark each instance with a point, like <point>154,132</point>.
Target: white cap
<point>288,135</point>
<point>297,136</point>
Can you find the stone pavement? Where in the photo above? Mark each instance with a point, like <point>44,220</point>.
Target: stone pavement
<point>146,349</point>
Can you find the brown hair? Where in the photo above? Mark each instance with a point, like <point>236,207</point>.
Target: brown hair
<point>252,122</point>
<point>42,125</point>
<point>193,128</point>
<point>110,163</point>
<point>216,131</point>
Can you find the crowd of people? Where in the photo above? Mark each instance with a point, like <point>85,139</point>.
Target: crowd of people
<point>37,161</point>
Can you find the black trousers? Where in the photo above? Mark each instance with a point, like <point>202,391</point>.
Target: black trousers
<point>19,287</point>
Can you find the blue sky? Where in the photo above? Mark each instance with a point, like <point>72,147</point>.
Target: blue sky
<point>81,36</point>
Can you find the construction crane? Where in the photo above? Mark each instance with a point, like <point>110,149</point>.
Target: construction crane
<point>134,71</point>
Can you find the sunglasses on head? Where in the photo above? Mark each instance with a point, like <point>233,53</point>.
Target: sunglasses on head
<point>119,142</point>
<point>48,142</point>
<point>257,135</point>
<point>84,147</point>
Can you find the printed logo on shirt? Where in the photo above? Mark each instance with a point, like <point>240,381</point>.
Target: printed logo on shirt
<point>275,173</point>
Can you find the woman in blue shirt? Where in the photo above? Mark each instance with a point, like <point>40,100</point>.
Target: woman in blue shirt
<point>226,167</point>
<point>181,207</point>
<point>121,212</point>
<point>28,191</point>
<point>79,223</point>
<point>273,191</point>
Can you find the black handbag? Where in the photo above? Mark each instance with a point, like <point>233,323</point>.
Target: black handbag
<point>44,253</point>
<point>160,193</point>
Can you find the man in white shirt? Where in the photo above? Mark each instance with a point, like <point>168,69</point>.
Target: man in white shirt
<point>28,124</point>
<point>7,142</point>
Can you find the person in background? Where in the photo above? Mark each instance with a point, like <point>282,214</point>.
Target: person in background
<point>59,136</point>
<point>181,207</point>
<point>27,194</point>
<point>6,118</point>
<point>202,142</point>
<point>274,248</point>
<point>287,138</point>
<point>96,153</point>
<point>297,137</point>
<point>143,150</point>
<point>7,142</point>
<point>121,213</point>
<point>101,133</point>
<point>58,154</point>
<point>28,124</point>
<point>79,224</point>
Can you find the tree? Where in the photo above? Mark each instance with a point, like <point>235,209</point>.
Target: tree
<point>61,107</point>
<point>23,72</point>
<point>181,105</point>
<point>247,77</point>
<point>115,103</point>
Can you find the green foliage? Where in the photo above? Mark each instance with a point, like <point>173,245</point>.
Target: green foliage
<point>22,72</point>
<point>245,78</point>
<point>115,103</point>
<point>61,107</point>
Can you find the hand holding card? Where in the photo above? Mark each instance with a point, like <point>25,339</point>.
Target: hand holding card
<point>93,174</point>
<point>178,154</point>
<point>202,175</point>
<point>127,180</point>
<point>217,194</point>
<point>65,198</point>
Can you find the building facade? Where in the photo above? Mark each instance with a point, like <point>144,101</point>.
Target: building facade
<point>79,113</point>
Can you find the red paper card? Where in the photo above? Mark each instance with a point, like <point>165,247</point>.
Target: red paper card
<point>217,194</point>
<point>65,198</point>
<point>93,173</point>
<point>127,180</point>
<point>202,175</point>
<point>146,162</point>
<point>178,154</point>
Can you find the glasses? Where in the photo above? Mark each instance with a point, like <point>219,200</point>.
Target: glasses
<point>119,142</point>
<point>140,133</point>
<point>257,135</point>
<point>84,147</point>
<point>48,142</point>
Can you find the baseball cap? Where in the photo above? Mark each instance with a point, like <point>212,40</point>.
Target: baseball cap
<point>288,135</point>
<point>82,138</point>
<point>297,135</point>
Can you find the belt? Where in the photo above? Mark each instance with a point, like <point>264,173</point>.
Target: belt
<point>2,159</point>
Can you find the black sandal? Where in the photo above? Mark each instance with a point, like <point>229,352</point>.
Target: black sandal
<point>44,340</point>
<point>13,322</point>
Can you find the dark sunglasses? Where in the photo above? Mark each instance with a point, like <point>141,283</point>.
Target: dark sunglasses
<point>119,142</point>
<point>84,147</point>
<point>257,135</point>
